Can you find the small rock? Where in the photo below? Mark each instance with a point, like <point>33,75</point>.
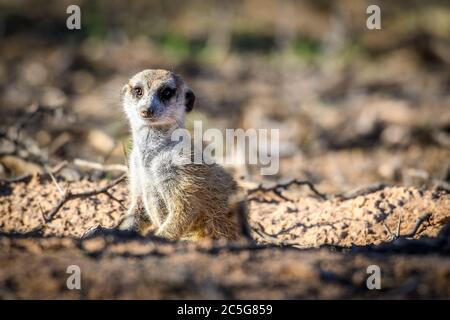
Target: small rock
<point>100,141</point>
<point>53,98</point>
<point>70,174</point>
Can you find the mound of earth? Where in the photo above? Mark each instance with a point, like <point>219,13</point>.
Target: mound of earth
<point>308,247</point>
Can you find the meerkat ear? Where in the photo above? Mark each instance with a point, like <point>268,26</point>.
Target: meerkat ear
<point>124,89</point>
<point>189,99</point>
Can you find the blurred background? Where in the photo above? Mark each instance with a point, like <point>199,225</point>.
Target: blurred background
<point>354,106</point>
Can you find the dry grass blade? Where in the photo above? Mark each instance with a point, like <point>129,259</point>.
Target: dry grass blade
<point>98,166</point>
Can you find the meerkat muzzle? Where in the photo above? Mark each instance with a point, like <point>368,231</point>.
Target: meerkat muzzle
<point>146,114</point>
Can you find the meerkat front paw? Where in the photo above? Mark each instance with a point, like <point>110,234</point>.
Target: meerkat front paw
<point>128,223</point>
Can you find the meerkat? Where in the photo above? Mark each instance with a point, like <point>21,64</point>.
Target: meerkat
<point>185,201</point>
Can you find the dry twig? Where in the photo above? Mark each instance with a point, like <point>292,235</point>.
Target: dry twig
<point>418,224</point>
<point>98,166</point>
<point>272,240</point>
<point>276,188</point>
<point>68,196</point>
<point>362,191</point>
<point>398,225</point>
<point>411,234</point>
<point>388,231</point>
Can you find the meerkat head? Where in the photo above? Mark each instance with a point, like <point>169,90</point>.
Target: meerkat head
<point>157,98</point>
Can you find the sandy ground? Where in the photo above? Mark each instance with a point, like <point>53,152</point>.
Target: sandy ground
<point>338,239</point>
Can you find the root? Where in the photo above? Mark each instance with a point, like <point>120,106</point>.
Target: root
<point>276,188</point>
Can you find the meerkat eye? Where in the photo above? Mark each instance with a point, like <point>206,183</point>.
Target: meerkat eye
<point>137,92</point>
<point>167,93</point>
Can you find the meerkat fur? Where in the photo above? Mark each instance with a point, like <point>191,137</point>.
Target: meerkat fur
<point>182,201</point>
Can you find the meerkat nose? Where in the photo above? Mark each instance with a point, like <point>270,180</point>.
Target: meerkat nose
<point>145,112</point>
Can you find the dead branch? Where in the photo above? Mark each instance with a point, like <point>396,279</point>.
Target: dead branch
<point>411,234</point>
<point>271,201</point>
<point>267,237</point>
<point>115,199</point>
<point>272,240</point>
<point>362,191</point>
<point>418,224</point>
<point>68,196</point>
<point>276,188</point>
<point>98,166</point>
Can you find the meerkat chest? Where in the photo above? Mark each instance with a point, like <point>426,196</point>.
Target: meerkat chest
<point>161,170</point>
<point>153,178</point>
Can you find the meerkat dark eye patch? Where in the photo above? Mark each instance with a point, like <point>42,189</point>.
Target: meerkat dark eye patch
<point>166,93</point>
<point>189,100</point>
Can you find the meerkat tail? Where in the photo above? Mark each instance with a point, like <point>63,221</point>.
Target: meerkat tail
<point>238,205</point>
